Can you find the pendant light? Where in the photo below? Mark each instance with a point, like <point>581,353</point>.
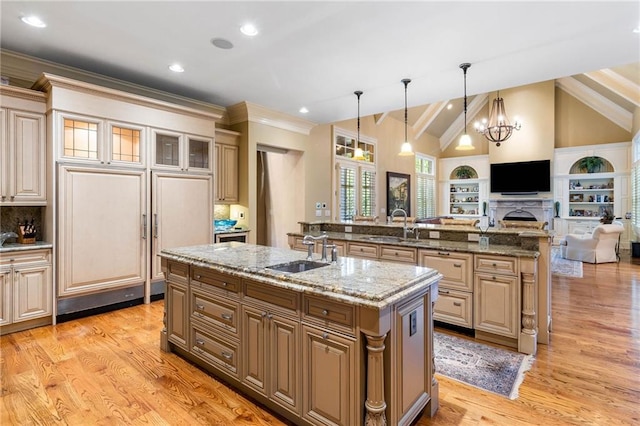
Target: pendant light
<point>464,144</point>
<point>359,153</point>
<point>406,149</point>
<point>497,129</point>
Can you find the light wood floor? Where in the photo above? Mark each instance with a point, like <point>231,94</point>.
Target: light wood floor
<point>108,369</point>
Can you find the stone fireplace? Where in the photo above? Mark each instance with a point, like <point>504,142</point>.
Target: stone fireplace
<point>540,208</point>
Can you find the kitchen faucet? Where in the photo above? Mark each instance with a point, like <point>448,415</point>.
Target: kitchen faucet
<point>308,241</point>
<point>404,228</point>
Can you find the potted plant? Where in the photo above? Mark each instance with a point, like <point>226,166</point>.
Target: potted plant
<point>464,172</point>
<point>591,164</point>
<point>607,217</point>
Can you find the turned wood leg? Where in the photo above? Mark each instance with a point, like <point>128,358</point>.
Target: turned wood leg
<point>375,403</point>
<point>528,334</point>
<point>434,404</point>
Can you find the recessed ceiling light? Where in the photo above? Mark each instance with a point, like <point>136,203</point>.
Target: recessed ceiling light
<point>34,21</point>
<point>249,30</point>
<point>222,43</point>
<point>304,110</point>
<point>636,30</point>
<point>176,68</point>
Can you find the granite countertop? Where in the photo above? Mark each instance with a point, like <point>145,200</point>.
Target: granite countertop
<point>9,247</point>
<point>358,281</point>
<point>456,246</point>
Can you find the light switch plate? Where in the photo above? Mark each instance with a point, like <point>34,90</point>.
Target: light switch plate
<point>347,229</point>
<point>434,234</point>
<point>318,213</point>
<point>327,213</point>
<point>473,237</point>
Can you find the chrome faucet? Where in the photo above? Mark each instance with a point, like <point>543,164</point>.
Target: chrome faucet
<point>404,227</point>
<point>5,235</point>
<point>309,241</point>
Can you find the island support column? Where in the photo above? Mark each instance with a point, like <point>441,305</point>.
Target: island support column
<point>375,403</point>
<point>527,341</point>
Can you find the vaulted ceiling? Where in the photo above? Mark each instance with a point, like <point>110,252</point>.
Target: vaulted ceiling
<point>314,54</point>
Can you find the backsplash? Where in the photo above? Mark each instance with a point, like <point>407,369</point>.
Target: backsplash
<point>221,211</point>
<point>10,216</point>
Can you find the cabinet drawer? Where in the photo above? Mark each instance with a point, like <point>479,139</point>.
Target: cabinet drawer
<point>276,296</point>
<point>215,311</point>
<point>497,264</point>
<point>177,271</point>
<point>454,307</point>
<point>340,246</point>
<point>398,254</point>
<point>25,256</point>
<point>369,251</point>
<point>215,351</point>
<point>456,268</point>
<point>296,243</point>
<point>203,278</point>
<point>328,312</point>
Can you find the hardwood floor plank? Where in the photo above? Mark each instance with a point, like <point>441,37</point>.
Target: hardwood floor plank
<point>109,369</point>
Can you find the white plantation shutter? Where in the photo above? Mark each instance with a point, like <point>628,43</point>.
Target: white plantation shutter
<point>426,186</point>
<point>635,185</point>
<point>347,192</point>
<point>367,192</point>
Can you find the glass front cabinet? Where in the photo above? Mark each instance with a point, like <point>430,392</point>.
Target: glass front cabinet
<point>464,188</point>
<point>181,152</point>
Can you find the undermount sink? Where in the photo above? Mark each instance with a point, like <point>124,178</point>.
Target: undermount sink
<point>297,266</point>
<point>384,239</point>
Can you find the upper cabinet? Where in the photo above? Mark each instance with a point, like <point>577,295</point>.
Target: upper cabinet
<point>22,147</point>
<point>96,141</point>
<point>181,152</point>
<point>226,173</point>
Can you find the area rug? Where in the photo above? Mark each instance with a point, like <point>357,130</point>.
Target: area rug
<point>496,370</point>
<point>564,267</point>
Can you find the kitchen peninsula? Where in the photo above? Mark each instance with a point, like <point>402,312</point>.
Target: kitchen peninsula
<point>347,343</point>
<point>501,291</point>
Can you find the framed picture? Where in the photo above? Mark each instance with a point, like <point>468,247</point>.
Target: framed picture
<point>576,197</point>
<point>398,192</point>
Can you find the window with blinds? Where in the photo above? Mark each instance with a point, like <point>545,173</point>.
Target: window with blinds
<point>426,186</point>
<point>355,179</point>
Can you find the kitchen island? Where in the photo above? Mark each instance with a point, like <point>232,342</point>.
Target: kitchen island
<point>348,343</point>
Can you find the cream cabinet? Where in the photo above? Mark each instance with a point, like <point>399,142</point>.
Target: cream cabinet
<point>226,173</point>
<point>329,379</point>
<point>181,152</point>
<point>102,229</point>
<point>177,300</point>
<point>22,158</point>
<point>455,291</point>
<point>25,289</point>
<point>497,295</point>
<point>182,212</point>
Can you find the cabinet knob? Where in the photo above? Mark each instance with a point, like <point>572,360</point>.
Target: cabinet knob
<point>200,307</point>
<point>200,342</point>
<point>325,336</point>
<point>198,277</point>
<point>457,265</point>
<point>396,253</point>
<point>226,317</point>
<point>226,355</point>
<point>264,315</point>
<point>457,304</point>
<point>3,197</point>
<point>224,284</point>
<point>495,265</point>
<point>269,316</point>
<point>325,312</point>
<point>13,197</point>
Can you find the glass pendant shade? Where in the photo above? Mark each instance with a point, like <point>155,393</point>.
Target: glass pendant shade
<point>464,144</point>
<point>358,154</point>
<point>406,149</point>
<point>498,129</point>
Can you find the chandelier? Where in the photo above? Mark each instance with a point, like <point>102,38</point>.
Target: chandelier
<point>498,129</point>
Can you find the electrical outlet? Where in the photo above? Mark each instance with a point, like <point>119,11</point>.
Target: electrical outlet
<point>241,214</point>
<point>473,237</point>
<point>347,229</point>
<point>434,234</point>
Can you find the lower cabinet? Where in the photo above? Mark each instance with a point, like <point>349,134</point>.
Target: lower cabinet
<point>177,309</point>
<point>25,289</point>
<point>328,382</point>
<point>270,364</point>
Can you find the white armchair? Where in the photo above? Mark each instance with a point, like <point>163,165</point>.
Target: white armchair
<point>600,246</point>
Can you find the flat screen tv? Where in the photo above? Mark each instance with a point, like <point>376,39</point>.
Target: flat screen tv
<point>524,177</point>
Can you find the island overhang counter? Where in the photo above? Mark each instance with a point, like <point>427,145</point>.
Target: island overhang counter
<point>346,343</point>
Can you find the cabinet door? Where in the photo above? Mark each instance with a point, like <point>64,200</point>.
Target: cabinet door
<point>496,304</point>
<point>101,231</point>
<point>284,345</point>
<point>328,387</point>
<point>182,214</point>
<point>198,154</point>
<point>254,359</point>
<point>32,292</point>
<point>167,150</point>
<point>177,318</point>
<point>6,296</point>
<point>227,173</point>
<point>26,155</point>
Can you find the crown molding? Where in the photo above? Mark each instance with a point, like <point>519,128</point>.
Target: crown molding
<point>619,85</point>
<point>254,113</point>
<point>21,93</point>
<point>597,102</point>
<point>474,107</point>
